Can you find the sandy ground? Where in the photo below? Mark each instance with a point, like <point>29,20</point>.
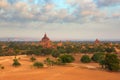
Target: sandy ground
<point>73,71</point>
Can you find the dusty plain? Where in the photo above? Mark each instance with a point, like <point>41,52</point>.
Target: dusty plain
<point>72,71</point>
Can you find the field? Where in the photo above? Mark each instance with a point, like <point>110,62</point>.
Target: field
<point>72,71</point>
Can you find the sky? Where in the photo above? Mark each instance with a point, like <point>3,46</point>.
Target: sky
<point>60,19</point>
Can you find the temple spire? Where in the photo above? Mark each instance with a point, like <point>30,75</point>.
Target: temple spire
<point>97,41</point>
<point>45,42</point>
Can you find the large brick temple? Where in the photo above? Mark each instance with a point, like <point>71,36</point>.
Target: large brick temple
<point>45,42</point>
<point>97,41</point>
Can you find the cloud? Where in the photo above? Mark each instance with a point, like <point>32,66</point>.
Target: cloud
<point>4,4</point>
<point>79,11</point>
<point>116,15</point>
<point>108,2</point>
<point>83,19</point>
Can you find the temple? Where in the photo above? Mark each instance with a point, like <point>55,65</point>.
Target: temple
<point>97,41</point>
<point>45,42</point>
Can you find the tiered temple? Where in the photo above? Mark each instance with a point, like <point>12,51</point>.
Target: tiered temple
<point>97,41</point>
<point>45,42</point>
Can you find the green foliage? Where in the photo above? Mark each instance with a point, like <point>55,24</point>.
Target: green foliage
<point>55,53</point>
<point>38,64</point>
<point>16,62</point>
<point>29,52</point>
<point>48,61</point>
<point>97,57</point>
<point>61,49</point>
<point>46,51</point>
<point>12,48</point>
<point>32,59</point>
<point>85,59</point>
<point>102,63</point>
<point>66,58</point>
<point>109,49</point>
<point>69,49</point>
<point>112,62</point>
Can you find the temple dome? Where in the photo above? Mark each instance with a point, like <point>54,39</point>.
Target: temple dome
<point>45,38</point>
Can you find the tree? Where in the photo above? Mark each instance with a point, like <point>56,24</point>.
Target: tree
<point>16,62</point>
<point>32,58</point>
<point>102,63</point>
<point>0,49</point>
<point>46,51</point>
<point>48,61</point>
<point>29,52</point>
<point>112,62</point>
<point>109,49</point>
<point>85,59</point>
<point>97,57</point>
<point>55,53</point>
<point>16,51</point>
<point>66,58</point>
<point>61,49</point>
<point>69,49</point>
<point>38,64</point>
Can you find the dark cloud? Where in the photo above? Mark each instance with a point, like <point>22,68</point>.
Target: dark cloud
<point>108,2</point>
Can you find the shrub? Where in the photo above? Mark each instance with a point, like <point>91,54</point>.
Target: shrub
<point>59,62</point>
<point>48,61</point>
<point>38,64</point>
<point>46,51</point>
<point>1,66</point>
<point>55,53</point>
<point>32,59</point>
<point>97,57</point>
<point>112,62</point>
<point>85,59</point>
<point>102,63</point>
<point>66,58</point>
<point>16,62</point>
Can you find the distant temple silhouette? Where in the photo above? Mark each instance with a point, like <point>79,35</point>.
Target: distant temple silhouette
<point>45,42</point>
<point>97,41</point>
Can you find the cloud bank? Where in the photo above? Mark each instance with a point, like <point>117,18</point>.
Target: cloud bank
<point>58,11</point>
<point>47,15</point>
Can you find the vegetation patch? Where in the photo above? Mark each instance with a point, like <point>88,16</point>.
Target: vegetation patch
<point>50,62</point>
<point>85,59</point>
<point>38,64</point>
<point>16,62</point>
<point>98,57</point>
<point>112,62</point>
<point>32,59</point>
<point>66,58</point>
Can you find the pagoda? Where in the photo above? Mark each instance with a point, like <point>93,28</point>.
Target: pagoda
<point>97,41</point>
<point>45,42</point>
